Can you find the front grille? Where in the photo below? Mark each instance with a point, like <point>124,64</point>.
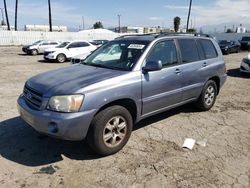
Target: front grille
<point>75,61</point>
<point>46,53</point>
<point>32,97</point>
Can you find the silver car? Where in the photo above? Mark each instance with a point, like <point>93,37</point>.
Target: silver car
<point>39,47</point>
<point>104,96</point>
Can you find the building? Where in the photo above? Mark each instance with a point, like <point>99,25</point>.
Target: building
<point>45,28</point>
<point>4,27</point>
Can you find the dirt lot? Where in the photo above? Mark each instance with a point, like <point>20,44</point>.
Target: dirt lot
<point>152,158</point>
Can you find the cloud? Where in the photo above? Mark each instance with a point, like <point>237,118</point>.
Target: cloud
<point>221,11</point>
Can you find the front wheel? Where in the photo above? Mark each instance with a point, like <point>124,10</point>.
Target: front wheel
<point>61,58</point>
<point>208,96</point>
<point>110,130</point>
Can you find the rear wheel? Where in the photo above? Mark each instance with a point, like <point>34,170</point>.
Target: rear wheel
<point>110,130</point>
<point>61,58</point>
<point>208,96</point>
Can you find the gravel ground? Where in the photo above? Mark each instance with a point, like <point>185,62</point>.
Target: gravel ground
<point>152,158</point>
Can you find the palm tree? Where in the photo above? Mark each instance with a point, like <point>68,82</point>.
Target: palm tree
<point>6,14</point>
<point>50,20</point>
<point>16,15</point>
<point>177,22</point>
<point>190,6</point>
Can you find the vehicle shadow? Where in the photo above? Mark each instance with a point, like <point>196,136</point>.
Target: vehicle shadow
<point>24,54</point>
<point>188,108</point>
<point>236,73</point>
<point>22,144</point>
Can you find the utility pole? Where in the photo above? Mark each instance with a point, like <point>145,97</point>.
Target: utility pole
<point>189,11</point>
<point>2,22</point>
<point>50,19</point>
<point>119,22</point>
<point>16,15</point>
<point>83,23</point>
<point>6,14</point>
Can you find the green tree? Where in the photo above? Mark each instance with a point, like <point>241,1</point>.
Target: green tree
<point>191,30</point>
<point>98,25</point>
<point>177,22</point>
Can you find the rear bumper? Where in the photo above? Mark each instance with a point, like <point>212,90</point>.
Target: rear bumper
<point>66,126</point>
<point>223,80</point>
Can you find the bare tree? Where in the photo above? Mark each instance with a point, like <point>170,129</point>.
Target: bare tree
<point>16,15</point>
<point>6,14</point>
<point>50,19</point>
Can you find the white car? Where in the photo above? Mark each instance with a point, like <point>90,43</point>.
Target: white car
<point>245,65</point>
<point>67,50</point>
<point>108,54</point>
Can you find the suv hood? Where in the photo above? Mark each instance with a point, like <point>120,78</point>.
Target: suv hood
<point>70,79</point>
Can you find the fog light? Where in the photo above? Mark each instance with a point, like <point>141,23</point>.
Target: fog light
<point>52,127</point>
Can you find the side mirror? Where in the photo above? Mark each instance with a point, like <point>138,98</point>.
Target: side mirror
<point>152,66</point>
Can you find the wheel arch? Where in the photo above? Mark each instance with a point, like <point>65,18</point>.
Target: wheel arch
<point>127,103</point>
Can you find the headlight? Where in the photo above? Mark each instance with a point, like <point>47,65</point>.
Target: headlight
<point>226,47</point>
<point>67,103</point>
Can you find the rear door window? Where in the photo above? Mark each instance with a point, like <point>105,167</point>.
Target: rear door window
<point>189,50</point>
<point>83,44</point>
<point>209,49</point>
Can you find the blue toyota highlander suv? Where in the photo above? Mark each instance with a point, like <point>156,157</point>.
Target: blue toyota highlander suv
<point>121,83</point>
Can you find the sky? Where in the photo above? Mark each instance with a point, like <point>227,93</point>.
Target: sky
<point>133,12</point>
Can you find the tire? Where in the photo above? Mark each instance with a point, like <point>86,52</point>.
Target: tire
<point>61,58</point>
<point>208,96</point>
<point>106,124</point>
<point>34,52</point>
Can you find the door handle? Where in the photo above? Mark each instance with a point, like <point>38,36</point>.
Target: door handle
<point>177,71</point>
<point>204,64</point>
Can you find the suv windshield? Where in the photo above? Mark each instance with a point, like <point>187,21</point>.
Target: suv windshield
<point>119,55</point>
<point>63,45</point>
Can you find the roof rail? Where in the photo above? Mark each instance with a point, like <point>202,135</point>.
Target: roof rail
<point>162,34</point>
<point>134,35</point>
<point>183,34</point>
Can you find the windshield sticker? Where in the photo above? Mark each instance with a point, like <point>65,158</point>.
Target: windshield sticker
<point>136,46</point>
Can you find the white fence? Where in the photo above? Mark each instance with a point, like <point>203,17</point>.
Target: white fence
<point>27,37</point>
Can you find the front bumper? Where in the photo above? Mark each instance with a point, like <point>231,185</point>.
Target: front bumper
<point>66,126</point>
<point>50,56</point>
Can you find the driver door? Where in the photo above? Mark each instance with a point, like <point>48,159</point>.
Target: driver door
<point>162,89</point>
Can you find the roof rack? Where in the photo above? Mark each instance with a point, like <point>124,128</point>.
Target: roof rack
<point>183,34</point>
<point>162,34</point>
<point>135,35</point>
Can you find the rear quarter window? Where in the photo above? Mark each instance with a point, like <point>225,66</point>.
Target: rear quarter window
<point>208,48</point>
